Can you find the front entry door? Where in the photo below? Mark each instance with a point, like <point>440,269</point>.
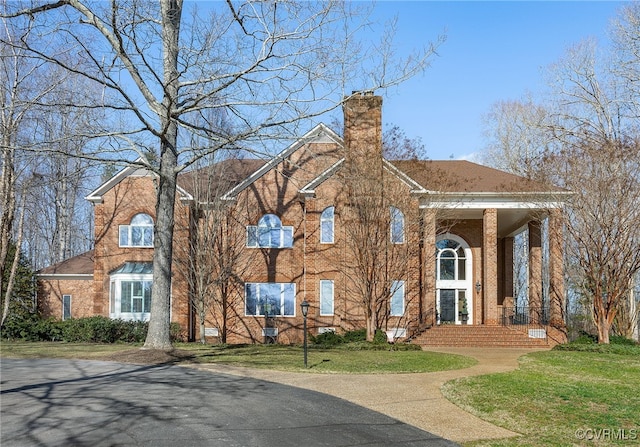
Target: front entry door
<point>453,281</point>
<point>447,305</point>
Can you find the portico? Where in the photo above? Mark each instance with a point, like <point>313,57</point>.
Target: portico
<point>483,227</point>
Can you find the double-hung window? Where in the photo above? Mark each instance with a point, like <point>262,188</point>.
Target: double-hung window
<point>396,306</point>
<point>326,297</point>
<point>396,226</point>
<point>269,233</point>
<point>139,233</point>
<point>264,299</point>
<point>327,225</point>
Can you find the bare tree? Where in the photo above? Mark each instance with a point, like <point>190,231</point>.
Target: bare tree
<point>584,137</point>
<point>378,218</point>
<point>626,321</point>
<point>517,137</point>
<point>57,216</point>
<point>626,40</point>
<point>604,224</point>
<point>377,212</point>
<point>211,259</point>
<point>23,84</point>
<point>396,145</point>
<point>269,65</point>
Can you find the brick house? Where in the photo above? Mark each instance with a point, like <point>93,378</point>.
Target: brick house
<point>450,228</point>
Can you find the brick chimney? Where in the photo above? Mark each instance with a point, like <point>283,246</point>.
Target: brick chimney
<point>363,127</point>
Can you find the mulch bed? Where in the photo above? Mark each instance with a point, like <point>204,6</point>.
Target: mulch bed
<point>149,356</point>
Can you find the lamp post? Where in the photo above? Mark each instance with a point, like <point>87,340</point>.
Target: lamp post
<point>304,307</point>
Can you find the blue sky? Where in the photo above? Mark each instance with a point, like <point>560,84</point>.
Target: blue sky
<point>494,51</point>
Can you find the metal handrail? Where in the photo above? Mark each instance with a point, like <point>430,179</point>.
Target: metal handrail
<point>525,316</point>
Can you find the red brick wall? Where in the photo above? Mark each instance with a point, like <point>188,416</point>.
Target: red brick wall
<point>133,195</point>
<point>50,293</point>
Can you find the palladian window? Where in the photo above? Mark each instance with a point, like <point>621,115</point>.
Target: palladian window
<point>269,233</point>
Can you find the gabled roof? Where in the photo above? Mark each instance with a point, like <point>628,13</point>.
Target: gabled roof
<point>219,178</point>
<point>77,267</point>
<point>309,188</point>
<point>319,134</point>
<point>133,170</point>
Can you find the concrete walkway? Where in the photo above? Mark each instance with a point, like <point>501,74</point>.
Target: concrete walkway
<point>415,399</point>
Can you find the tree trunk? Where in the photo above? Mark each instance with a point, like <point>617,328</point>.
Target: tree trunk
<point>603,330</point>
<point>159,336</point>
<point>14,264</point>
<point>201,316</point>
<point>371,327</point>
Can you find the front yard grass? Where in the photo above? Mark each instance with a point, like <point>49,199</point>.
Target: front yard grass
<point>277,357</point>
<point>559,398</point>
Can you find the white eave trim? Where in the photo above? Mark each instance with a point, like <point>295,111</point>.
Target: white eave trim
<point>416,188</point>
<point>65,276</point>
<point>130,171</point>
<point>493,200</point>
<point>309,190</point>
<point>320,133</point>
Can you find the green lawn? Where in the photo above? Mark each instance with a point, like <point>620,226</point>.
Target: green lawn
<point>279,357</point>
<point>559,398</point>
<point>555,398</point>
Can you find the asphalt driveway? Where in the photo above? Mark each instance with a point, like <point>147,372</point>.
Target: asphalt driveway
<point>54,402</point>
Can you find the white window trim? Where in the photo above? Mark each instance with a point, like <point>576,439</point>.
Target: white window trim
<point>129,229</point>
<point>392,220</point>
<point>283,229</point>
<point>115,297</point>
<point>398,292</point>
<point>330,281</point>
<point>466,284</point>
<point>282,299</point>
<point>332,220</point>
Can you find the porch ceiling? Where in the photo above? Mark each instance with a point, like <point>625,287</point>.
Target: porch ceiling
<point>511,221</point>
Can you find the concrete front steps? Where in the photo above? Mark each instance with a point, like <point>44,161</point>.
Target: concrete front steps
<point>477,336</point>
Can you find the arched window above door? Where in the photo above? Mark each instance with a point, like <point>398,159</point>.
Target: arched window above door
<point>451,260</point>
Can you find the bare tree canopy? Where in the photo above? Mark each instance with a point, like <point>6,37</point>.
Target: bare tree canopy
<point>267,66</point>
<point>603,224</point>
<point>585,137</point>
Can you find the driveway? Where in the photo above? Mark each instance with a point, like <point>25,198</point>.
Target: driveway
<point>412,398</point>
<point>54,402</point>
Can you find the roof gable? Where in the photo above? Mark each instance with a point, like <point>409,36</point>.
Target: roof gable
<point>309,188</point>
<point>130,171</point>
<point>217,179</point>
<point>319,134</point>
